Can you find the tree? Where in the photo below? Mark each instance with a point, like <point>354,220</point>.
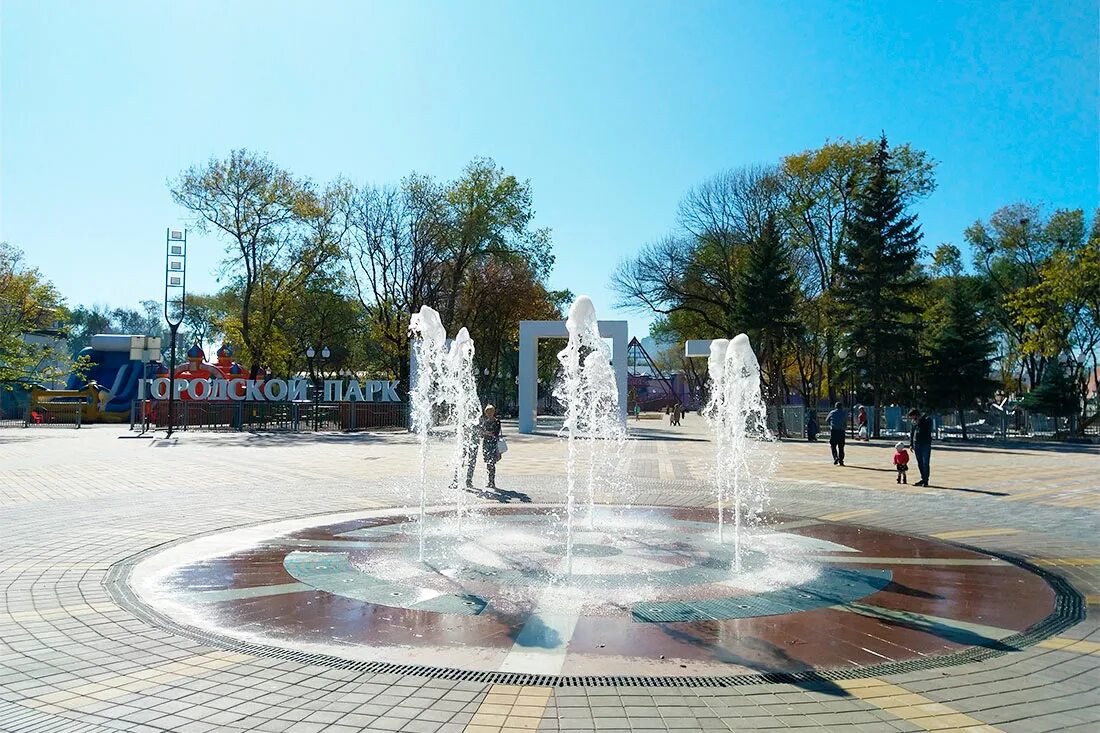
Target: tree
<point>692,275</point>
<point>1057,395</point>
<point>28,303</point>
<point>959,342</point>
<point>497,296</point>
<point>325,315</point>
<point>394,258</point>
<point>1012,249</point>
<point>429,243</point>
<point>203,318</point>
<point>86,321</point>
<point>766,295</point>
<point>878,277</point>
<point>821,188</point>
<point>488,215</point>
<point>1058,317</point>
<point>279,232</point>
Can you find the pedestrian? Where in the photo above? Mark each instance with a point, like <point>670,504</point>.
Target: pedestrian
<point>488,430</point>
<point>838,423</point>
<point>861,420</point>
<point>901,462</point>
<point>637,411</point>
<point>920,441</point>
<point>677,410</point>
<point>812,428</point>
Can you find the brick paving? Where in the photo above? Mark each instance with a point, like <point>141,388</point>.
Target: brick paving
<point>73,503</point>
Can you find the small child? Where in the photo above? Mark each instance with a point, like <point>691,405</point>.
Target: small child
<point>901,462</point>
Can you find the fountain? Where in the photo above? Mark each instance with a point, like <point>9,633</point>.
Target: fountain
<point>460,391</point>
<point>588,389</point>
<point>633,593</point>
<point>444,382</point>
<point>738,418</point>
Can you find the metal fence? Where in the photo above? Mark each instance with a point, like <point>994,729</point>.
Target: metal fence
<point>295,417</point>
<point>893,423</point>
<point>53,415</point>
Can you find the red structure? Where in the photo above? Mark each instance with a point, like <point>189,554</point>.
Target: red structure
<point>196,367</point>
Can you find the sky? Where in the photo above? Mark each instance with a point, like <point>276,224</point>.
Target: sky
<point>612,111</point>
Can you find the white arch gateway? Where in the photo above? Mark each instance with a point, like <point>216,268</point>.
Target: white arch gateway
<point>529,334</point>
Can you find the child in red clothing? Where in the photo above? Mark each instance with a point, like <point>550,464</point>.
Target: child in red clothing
<point>901,462</point>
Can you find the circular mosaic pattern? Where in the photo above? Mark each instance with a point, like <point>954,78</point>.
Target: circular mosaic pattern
<point>652,591</point>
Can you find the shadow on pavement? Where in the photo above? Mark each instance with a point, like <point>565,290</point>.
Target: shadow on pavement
<point>500,495</point>
<point>968,491</point>
<point>784,666</point>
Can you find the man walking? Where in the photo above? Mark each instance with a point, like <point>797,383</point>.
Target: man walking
<point>838,422</point>
<point>920,440</point>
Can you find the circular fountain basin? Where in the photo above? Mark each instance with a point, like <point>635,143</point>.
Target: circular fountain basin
<point>652,593</point>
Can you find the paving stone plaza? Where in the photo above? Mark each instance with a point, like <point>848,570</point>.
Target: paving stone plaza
<point>268,582</point>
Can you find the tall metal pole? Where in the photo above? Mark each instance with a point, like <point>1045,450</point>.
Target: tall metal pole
<point>175,294</point>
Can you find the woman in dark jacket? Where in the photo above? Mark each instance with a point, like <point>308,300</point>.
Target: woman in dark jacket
<point>489,430</point>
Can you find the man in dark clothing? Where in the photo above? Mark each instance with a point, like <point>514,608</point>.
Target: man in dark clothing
<point>838,421</point>
<point>920,440</point>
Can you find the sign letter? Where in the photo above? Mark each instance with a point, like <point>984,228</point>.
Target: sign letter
<point>275,390</point>
<point>299,389</point>
<point>252,391</point>
<point>334,390</point>
<point>354,391</point>
<point>389,391</point>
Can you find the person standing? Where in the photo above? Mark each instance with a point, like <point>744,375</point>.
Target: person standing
<point>861,421</point>
<point>489,430</point>
<point>920,441</point>
<point>838,423</point>
<point>901,462</point>
<point>812,428</point>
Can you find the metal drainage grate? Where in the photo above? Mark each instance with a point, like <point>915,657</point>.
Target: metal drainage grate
<point>1069,609</point>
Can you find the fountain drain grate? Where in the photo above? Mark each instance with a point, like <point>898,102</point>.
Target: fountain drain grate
<point>1069,609</point>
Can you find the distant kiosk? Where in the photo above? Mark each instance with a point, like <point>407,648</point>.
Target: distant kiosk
<point>529,334</point>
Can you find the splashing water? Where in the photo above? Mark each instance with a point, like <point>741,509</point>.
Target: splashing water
<point>460,390</point>
<point>444,381</point>
<point>738,417</point>
<point>590,394</point>
<point>716,414</point>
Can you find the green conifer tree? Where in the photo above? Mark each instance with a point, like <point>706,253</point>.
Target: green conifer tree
<point>878,280</point>
<point>959,352</point>
<point>766,296</point>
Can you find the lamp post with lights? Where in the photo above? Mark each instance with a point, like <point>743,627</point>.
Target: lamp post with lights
<point>175,302</point>
<point>311,353</point>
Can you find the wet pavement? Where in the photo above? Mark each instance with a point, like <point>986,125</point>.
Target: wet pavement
<point>652,593</point>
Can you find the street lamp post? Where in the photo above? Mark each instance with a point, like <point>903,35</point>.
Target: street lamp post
<point>175,302</point>
<point>311,353</point>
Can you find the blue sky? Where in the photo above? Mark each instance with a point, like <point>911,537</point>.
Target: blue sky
<point>611,109</point>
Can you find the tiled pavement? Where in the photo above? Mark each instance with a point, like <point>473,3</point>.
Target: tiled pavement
<point>72,503</point>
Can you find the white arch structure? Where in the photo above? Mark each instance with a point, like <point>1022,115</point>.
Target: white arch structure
<point>529,334</point>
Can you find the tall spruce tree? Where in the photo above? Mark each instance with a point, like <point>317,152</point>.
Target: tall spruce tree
<point>959,351</point>
<point>879,278</point>
<point>766,296</point>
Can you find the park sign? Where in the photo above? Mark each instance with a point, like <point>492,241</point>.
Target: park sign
<point>274,390</point>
